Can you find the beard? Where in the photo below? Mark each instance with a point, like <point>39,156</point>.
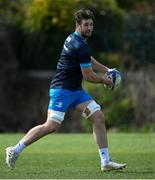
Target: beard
<point>86,35</point>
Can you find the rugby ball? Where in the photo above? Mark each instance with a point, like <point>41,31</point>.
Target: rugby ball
<point>115,76</point>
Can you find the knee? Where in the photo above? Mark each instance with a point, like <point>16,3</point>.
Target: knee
<point>50,127</point>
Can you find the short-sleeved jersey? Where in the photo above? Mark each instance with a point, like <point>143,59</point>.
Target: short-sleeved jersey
<point>74,56</point>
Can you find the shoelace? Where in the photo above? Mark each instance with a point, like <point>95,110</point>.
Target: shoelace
<point>13,155</point>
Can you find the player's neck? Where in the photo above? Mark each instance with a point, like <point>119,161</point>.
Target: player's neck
<point>79,34</point>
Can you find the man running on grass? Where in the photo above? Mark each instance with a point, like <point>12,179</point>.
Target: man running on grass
<point>75,64</point>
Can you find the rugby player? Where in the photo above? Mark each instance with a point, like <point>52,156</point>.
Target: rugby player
<point>75,64</point>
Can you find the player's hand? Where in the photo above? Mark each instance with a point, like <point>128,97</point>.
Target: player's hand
<point>108,70</point>
<point>106,80</point>
<point>111,69</point>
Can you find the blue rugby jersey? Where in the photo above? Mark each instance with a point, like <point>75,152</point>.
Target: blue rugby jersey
<point>75,54</point>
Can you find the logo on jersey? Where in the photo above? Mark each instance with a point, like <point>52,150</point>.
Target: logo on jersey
<point>67,40</point>
<point>59,104</point>
<point>65,48</point>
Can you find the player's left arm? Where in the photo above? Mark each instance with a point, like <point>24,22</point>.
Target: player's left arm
<point>98,66</point>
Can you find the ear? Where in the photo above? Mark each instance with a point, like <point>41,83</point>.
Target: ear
<point>77,25</point>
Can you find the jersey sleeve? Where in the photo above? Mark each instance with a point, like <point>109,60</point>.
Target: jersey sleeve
<point>84,56</point>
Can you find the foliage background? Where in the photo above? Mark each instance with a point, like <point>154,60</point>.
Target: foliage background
<point>32,33</point>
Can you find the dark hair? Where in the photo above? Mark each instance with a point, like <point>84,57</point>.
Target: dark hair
<point>83,14</point>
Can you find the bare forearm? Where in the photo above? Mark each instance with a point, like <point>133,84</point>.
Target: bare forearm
<point>90,76</point>
<point>98,66</point>
<point>94,78</point>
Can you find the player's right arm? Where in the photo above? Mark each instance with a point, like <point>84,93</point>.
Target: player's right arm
<point>90,76</point>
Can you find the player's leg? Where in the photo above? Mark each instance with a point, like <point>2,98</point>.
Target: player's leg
<point>39,131</point>
<point>12,153</point>
<point>92,111</point>
<point>99,130</point>
<point>55,116</point>
<point>100,135</point>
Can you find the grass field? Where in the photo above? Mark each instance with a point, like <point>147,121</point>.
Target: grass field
<point>75,156</point>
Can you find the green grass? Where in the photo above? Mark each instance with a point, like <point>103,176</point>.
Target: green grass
<point>75,156</point>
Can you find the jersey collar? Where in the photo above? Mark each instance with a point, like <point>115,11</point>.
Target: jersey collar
<point>79,35</point>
